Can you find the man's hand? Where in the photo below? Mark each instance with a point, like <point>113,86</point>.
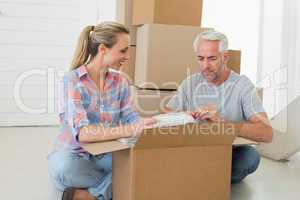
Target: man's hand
<point>207,113</point>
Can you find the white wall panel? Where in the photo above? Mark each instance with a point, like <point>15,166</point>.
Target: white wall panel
<point>37,41</point>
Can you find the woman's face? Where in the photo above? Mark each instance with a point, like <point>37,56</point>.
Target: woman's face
<point>117,55</point>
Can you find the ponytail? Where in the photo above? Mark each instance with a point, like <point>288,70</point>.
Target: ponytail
<point>81,54</point>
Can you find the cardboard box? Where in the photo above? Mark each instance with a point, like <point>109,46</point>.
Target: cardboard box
<point>115,145</point>
<point>129,68</point>
<point>150,102</point>
<point>165,55</point>
<point>124,16</point>
<point>260,93</point>
<point>181,162</point>
<point>175,12</point>
<point>234,62</point>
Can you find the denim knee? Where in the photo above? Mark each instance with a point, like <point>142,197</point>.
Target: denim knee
<point>71,170</point>
<point>245,160</point>
<point>251,158</point>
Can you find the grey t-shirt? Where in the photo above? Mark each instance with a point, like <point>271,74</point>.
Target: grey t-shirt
<point>236,99</point>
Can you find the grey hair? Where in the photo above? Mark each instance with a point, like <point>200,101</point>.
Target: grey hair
<point>212,35</point>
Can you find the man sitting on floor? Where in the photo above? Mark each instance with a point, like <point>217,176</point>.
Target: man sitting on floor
<point>217,93</point>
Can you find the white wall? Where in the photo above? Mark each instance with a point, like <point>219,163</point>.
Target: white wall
<point>37,42</point>
<point>279,62</point>
<point>268,34</point>
<point>239,20</point>
<point>271,64</point>
<point>107,10</point>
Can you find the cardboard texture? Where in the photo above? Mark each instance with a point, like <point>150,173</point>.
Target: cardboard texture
<point>129,67</point>
<point>175,12</point>
<point>234,62</point>
<point>181,162</point>
<point>124,9</point>
<point>150,102</point>
<point>260,93</point>
<point>165,56</point>
<point>104,147</point>
<point>115,145</point>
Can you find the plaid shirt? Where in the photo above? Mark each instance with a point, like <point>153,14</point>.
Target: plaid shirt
<point>82,104</point>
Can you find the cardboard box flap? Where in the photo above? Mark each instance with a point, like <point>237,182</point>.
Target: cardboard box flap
<point>103,147</point>
<point>197,134</point>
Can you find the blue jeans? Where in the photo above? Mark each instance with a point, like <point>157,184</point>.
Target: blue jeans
<point>93,173</point>
<point>245,160</point>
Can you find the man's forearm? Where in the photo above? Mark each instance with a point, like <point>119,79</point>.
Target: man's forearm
<point>259,132</point>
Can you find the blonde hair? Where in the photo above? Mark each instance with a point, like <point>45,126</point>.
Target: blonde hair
<point>90,39</point>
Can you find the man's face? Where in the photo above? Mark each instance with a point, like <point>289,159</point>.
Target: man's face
<point>211,60</point>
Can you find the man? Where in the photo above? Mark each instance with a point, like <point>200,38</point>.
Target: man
<point>219,94</point>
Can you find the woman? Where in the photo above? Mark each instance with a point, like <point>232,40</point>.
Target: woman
<point>95,106</point>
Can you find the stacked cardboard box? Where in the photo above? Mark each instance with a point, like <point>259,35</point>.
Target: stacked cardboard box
<point>149,102</point>
<point>161,41</point>
<point>124,16</point>
<point>175,12</point>
<point>167,166</point>
<point>234,62</point>
<point>128,69</point>
<point>161,44</point>
<point>164,55</point>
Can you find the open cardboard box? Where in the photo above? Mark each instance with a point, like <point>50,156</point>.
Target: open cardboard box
<point>191,161</point>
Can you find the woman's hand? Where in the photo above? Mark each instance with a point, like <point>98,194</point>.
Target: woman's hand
<point>143,123</point>
<point>149,122</point>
